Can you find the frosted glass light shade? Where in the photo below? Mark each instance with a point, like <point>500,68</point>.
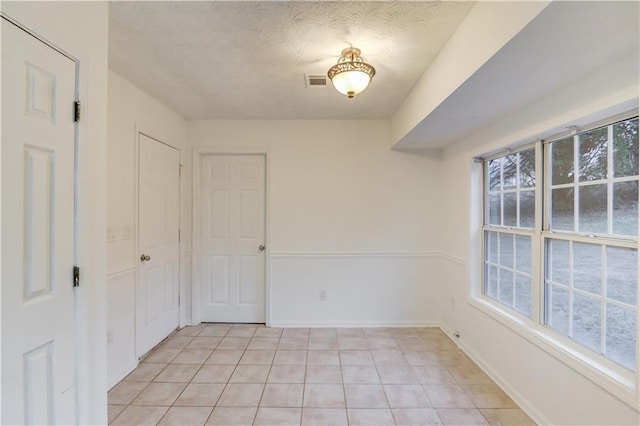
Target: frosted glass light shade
<point>351,75</point>
<point>351,83</point>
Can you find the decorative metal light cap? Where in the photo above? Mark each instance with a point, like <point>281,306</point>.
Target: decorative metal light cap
<point>351,75</point>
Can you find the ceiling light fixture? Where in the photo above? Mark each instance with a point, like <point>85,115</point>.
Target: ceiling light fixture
<point>351,75</point>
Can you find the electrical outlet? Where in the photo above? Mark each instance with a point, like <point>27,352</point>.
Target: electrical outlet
<point>111,235</point>
<point>323,295</point>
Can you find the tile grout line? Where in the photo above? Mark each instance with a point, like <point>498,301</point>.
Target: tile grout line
<point>189,382</point>
<point>304,378</point>
<point>232,373</point>
<point>151,381</point>
<point>196,373</point>
<point>344,389</point>
<point>255,416</point>
<point>419,342</point>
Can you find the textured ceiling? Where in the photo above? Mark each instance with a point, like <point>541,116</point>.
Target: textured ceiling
<point>247,60</point>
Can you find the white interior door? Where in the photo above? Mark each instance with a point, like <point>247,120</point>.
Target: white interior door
<point>157,309</point>
<point>38,143</point>
<point>233,238</point>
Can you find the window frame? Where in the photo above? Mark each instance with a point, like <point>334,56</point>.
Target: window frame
<point>605,240</point>
<point>517,230</point>
<point>612,376</point>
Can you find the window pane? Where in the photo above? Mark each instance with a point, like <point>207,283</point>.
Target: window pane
<point>587,267</point>
<point>527,209</point>
<point>491,282</point>
<point>491,246</point>
<point>528,168</point>
<point>562,161</point>
<point>622,274</point>
<point>523,294</point>
<point>625,148</point>
<point>506,250</point>
<point>593,155</point>
<point>558,258</point>
<point>593,209</point>
<point>510,209</point>
<point>505,294</point>
<point>587,319</point>
<point>494,174</point>
<point>625,208</point>
<point>562,209</point>
<point>621,335</point>
<point>523,253</point>
<point>557,308</point>
<point>494,210</point>
<point>509,171</point>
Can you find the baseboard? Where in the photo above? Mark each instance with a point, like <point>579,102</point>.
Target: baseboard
<point>516,396</point>
<point>117,378</point>
<point>186,322</point>
<point>353,324</point>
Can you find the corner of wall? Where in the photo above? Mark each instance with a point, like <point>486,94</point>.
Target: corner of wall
<point>131,111</point>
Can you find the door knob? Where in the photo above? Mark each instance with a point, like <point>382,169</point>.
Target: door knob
<point>261,247</point>
<point>144,258</point>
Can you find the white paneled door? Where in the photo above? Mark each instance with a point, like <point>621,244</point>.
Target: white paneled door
<point>157,309</point>
<point>233,238</point>
<point>38,144</point>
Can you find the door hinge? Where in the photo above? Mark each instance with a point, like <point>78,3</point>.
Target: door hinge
<point>178,300</point>
<point>76,111</point>
<point>76,276</point>
<point>179,235</point>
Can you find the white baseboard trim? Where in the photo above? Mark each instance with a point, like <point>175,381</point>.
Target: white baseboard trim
<point>519,399</point>
<point>353,324</point>
<point>186,322</point>
<point>117,378</point>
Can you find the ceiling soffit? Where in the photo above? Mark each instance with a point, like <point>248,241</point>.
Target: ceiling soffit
<point>564,43</point>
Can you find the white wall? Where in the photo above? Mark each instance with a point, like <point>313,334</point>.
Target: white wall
<point>551,391</point>
<point>346,215</point>
<point>131,111</point>
<point>81,30</point>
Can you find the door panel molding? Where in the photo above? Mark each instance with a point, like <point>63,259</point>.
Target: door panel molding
<point>196,226</point>
<point>40,145</point>
<point>140,130</point>
<point>141,348</point>
<point>232,238</point>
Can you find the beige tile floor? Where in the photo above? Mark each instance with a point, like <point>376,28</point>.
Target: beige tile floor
<point>223,374</point>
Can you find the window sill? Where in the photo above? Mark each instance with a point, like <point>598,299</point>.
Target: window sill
<point>619,384</point>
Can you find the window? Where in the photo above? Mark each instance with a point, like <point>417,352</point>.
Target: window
<point>510,195</point>
<point>587,229</point>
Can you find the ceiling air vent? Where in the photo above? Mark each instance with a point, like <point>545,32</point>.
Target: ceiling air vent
<point>316,81</point>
